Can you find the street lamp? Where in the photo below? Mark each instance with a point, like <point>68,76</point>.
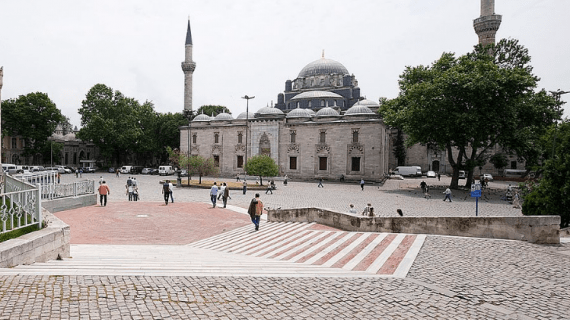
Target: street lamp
<point>246,128</point>
<point>557,95</point>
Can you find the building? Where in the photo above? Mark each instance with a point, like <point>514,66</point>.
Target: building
<point>320,128</point>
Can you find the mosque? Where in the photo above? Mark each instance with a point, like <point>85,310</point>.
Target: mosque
<point>319,128</point>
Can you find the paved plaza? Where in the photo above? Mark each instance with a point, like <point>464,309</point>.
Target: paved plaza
<point>212,269</point>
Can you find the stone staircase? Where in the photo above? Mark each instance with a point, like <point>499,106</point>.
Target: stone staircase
<point>278,249</point>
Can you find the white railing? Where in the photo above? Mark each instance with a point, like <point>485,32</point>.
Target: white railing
<point>50,189</point>
<point>20,205</point>
<point>55,190</point>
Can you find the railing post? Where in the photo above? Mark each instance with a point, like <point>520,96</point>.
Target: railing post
<point>38,207</point>
<point>75,189</point>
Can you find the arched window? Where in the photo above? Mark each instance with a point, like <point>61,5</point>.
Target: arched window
<point>322,103</point>
<point>298,104</point>
<point>309,103</point>
<point>355,138</point>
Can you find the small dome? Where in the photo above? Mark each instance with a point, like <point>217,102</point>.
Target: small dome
<point>368,103</point>
<point>266,111</point>
<point>202,117</point>
<point>313,113</point>
<point>327,112</point>
<point>300,113</point>
<point>244,116</point>
<point>317,95</point>
<point>358,109</point>
<point>223,117</point>
<point>322,67</point>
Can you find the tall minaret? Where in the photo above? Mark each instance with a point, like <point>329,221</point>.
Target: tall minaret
<point>488,23</point>
<point>188,67</point>
<point>1,83</point>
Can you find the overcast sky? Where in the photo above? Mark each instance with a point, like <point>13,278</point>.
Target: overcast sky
<point>251,47</point>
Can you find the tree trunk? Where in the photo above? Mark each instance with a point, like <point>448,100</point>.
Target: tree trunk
<point>260,180</point>
<point>200,180</point>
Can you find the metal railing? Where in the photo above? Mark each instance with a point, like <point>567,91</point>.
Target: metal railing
<point>50,189</point>
<point>20,205</point>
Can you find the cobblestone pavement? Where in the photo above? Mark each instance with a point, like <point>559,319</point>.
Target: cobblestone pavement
<point>395,194</point>
<point>452,277</point>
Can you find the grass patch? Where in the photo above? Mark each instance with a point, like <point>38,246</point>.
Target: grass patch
<point>209,183</point>
<point>18,232</point>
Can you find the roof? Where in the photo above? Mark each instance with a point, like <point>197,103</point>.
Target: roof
<point>323,66</point>
<point>223,116</point>
<point>244,115</point>
<point>317,95</point>
<point>202,117</point>
<point>269,111</point>
<point>300,113</point>
<point>327,112</point>
<point>188,34</point>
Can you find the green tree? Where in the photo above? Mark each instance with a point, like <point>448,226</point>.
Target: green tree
<point>400,148</point>
<point>201,166</point>
<point>111,121</point>
<point>212,110</point>
<point>262,166</point>
<point>34,117</point>
<point>472,103</point>
<point>167,133</point>
<point>551,195</point>
<point>499,160</point>
<point>52,151</point>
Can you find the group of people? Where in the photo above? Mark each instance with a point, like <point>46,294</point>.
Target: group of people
<point>132,189</point>
<point>167,189</point>
<point>222,192</point>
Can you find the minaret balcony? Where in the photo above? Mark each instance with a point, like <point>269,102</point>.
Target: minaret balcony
<point>188,66</point>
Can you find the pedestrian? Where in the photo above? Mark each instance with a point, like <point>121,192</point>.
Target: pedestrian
<point>134,181</point>
<point>237,177</point>
<point>76,173</point>
<point>244,186</point>
<point>135,193</point>
<point>226,194</point>
<point>362,184</point>
<point>118,173</point>
<point>100,180</point>
<point>222,188</point>
<point>285,180</point>
<point>426,193</point>
<point>255,210</point>
<point>320,185</point>
<point>129,181</point>
<point>268,189</point>
<point>423,185</point>
<point>399,211</point>
<point>171,189</point>
<point>438,176</point>
<point>368,211</point>
<point>351,209</point>
<point>166,191</point>
<point>214,194</point>
<point>103,192</point>
<point>80,173</point>
<point>130,190</point>
<point>517,200</point>
<point>447,193</point>
<point>58,177</point>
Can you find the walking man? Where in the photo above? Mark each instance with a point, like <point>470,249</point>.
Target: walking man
<point>171,188</point>
<point>103,192</point>
<point>362,184</point>
<point>244,186</point>
<point>255,210</point>
<point>226,194</point>
<point>222,189</point>
<point>320,185</point>
<point>447,193</point>
<point>423,185</point>
<point>214,194</point>
<point>166,192</point>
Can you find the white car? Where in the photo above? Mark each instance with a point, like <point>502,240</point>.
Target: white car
<point>431,174</point>
<point>487,176</point>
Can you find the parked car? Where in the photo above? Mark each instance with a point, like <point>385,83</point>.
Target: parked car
<point>89,170</point>
<point>136,169</point>
<point>431,174</point>
<point>154,172</point>
<point>183,173</point>
<point>146,171</point>
<point>487,176</point>
<point>461,174</point>
<point>111,170</point>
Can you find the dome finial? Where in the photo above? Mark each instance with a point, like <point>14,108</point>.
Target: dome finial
<point>323,53</point>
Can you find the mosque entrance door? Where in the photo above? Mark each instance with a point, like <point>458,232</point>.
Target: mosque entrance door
<point>264,145</point>
<point>435,165</point>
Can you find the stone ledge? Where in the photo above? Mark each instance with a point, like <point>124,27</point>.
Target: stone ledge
<point>69,203</point>
<point>534,229</point>
<point>38,246</point>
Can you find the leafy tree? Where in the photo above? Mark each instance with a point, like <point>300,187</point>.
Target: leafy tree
<point>167,133</point>
<point>551,196</point>
<point>212,110</point>
<point>52,151</point>
<point>202,167</point>
<point>471,103</point>
<point>262,166</point>
<point>34,117</point>
<point>499,160</point>
<point>400,148</point>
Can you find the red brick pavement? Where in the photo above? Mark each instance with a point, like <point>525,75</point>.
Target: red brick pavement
<point>149,223</point>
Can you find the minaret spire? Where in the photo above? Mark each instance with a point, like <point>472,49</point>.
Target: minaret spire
<point>488,23</point>
<point>188,67</point>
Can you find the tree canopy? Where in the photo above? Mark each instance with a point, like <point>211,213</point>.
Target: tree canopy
<point>262,166</point>
<point>472,103</point>
<point>551,195</point>
<point>34,117</point>
<point>212,110</point>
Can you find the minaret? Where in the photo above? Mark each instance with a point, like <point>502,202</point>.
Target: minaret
<point>188,67</point>
<point>488,23</point>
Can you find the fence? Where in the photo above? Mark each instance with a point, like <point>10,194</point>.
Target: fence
<point>50,189</point>
<point>20,205</point>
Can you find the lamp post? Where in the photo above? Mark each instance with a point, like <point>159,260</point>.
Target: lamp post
<point>557,95</point>
<point>247,98</point>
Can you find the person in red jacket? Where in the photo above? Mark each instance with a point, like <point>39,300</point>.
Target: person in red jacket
<point>103,192</point>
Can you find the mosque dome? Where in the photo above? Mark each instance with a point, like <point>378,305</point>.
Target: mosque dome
<point>368,103</point>
<point>223,117</point>
<point>317,95</point>
<point>323,67</point>
<point>327,112</point>
<point>300,113</point>
<point>244,116</point>
<point>359,109</point>
<point>202,117</point>
<point>269,111</point>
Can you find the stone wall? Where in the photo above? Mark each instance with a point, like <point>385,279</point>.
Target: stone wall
<point>68,203</point>
<point>38,246</point>
<point>534,229</point>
